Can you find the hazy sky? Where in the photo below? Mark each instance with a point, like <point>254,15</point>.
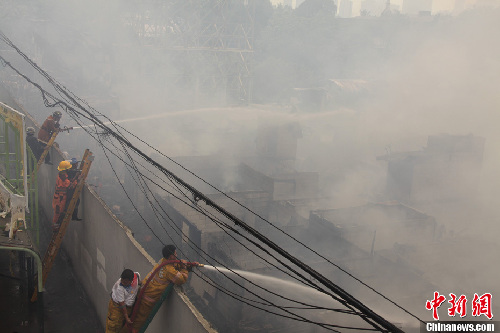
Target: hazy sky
<point>437,5</point>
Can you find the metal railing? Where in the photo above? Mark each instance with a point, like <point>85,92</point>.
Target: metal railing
<point>11,171</point>
<point>32,217</point>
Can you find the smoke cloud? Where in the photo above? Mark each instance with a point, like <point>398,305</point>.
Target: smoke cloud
<point>421,76</point>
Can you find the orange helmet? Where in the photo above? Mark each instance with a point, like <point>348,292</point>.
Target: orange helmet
<point>64,165</point>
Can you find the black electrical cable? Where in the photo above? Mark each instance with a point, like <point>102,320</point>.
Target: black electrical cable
<point>228,215</point>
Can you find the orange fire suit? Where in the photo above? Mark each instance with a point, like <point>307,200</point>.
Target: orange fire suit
<point>171,273</point>
<point>50,125</point>
<point>63,184</point>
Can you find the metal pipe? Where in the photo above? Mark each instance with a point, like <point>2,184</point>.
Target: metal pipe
<point>40,285</point>
<point>7,150</point>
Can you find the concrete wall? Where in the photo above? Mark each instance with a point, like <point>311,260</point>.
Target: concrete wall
<point>100,247</point>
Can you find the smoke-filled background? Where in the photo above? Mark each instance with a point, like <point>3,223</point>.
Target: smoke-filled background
<point>351,89</point>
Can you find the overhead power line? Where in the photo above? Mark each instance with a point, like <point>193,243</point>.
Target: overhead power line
<point>72,106</point>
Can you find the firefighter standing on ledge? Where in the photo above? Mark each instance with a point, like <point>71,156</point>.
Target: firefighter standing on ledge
<point>50,125</point>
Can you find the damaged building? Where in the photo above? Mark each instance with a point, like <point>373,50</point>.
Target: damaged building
<point>447,169</point>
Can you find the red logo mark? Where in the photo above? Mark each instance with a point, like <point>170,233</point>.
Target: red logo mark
<point>482,305</point>
<point>457,306</point>
<point>435,304</point>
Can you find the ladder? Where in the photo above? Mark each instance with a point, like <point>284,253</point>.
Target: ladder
<point>57,237</point>
<point>42,157</point>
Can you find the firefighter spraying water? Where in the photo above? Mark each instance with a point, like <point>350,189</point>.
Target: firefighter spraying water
<point>169,271</point>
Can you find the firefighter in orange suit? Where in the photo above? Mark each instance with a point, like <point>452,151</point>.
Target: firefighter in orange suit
<point>171,273</point>
<point>63,184</point>
<point>50,125</point>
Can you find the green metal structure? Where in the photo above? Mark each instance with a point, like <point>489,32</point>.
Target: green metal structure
<point>11,171</point>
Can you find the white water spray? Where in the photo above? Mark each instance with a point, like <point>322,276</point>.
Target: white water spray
<point>286,288</point>
<point>305,294</point>
<point>154,116</point>
<point>245,113</point>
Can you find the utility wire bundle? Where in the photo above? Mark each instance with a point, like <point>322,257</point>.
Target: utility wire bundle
<point>150,176</point>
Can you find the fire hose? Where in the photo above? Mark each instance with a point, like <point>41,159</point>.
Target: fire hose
<point>162,298</point>
<point>155,309</point>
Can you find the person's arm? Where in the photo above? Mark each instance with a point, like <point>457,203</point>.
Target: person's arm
<point>181,274</point>
<point>190,267</point>
<point>75,180</point>
<point>73,184</point>
<point>69,184</point>
<point>119,297</point>
<point>66,183</point>
<point>184,264</point>
<point>125,314</point>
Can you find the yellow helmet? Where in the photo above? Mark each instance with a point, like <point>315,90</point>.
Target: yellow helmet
<point>64,165</point>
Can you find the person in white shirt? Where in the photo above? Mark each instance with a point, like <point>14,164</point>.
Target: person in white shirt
<point>123,295</point>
